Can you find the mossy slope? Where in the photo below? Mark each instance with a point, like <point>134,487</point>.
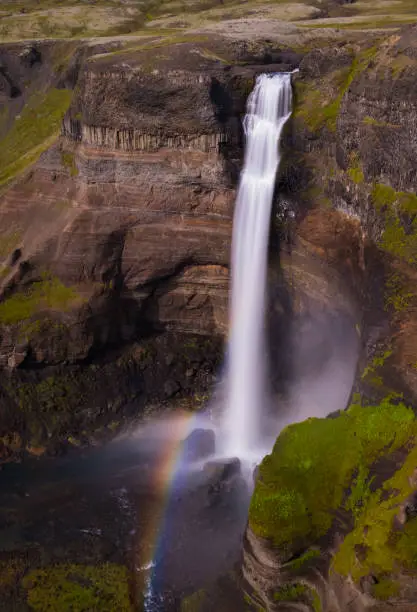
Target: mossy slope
<point>33,131</point>
<point>46,294</point>
<point>78,588</point>
<point>322,466</point>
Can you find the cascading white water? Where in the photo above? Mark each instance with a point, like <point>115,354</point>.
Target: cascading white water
<point>269,107</point>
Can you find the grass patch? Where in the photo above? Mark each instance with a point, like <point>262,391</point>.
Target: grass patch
<point>325,454</point>
<point>309,101</point>
<point>68,161</point>
<point>317,607</point>
<point>48,293</point>
<point>376,363</point>
<point>290,592</point>
<point>32,132</point>
<point>397,293</point>
<point>386,23</point>
<point>383,195</point>
<point>399,242</point>
<point>375,122</point>
<point>399,209</point>
<point>304,560</point>
<point>10,573</point>
<point>385,589</point>
<point>194,602</point>
<point>79,588</point>
<point>355,170</point>
<point>360,491</point>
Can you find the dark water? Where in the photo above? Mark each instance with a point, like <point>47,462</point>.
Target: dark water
<point>111,504</point>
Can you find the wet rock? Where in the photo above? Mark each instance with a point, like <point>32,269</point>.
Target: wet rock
<point>223,470</point>
<point>171,387</point>
<point>225,480</point>
<point>200,443</point>
<point>169,359</point>
<point>30,56</point>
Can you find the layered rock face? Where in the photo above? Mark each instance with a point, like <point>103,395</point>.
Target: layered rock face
<point>333,514</point>
<point>121,231</point>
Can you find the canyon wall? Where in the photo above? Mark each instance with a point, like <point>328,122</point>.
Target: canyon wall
<point>332,519</point>
<point>114,278</point>
<point>115,243</point>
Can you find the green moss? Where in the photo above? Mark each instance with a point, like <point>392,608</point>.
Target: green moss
<point>4,117</point>
<point>397,293</point>
<point>383,195</point>
<point>304,560</point>
<point>399,243</point>
<point>356,174</point>
<point>377,362</point>
<point>399,210</point>
<point>379,23</point>
<point>290,592</point>
<point>32,132</point>
<point>355,170</point>
<point>78,588</point>
<point>407,202</point>
<point>53,395</point>
<point>325,455</point>
<point>360,491</point>
<point>309,99</point>
<point>317,607</point>
<point>383,548</point>
<point>68,161</point>
<point>406,543</point>
<point>48,293</point>
<point>253,605</point>
<point>377,123</point>
<point>148,61</point>
<point>209,54</point>
<point>11,571</point>
<point>74,441</point>
<point>194,602</point>
<point>385,589</point>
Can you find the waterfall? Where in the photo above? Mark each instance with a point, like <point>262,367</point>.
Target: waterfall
<point>269,107</point>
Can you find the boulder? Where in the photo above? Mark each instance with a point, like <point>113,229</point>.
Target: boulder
<point>223,470</point>
<point>199,444</point>
<point>225,481</point>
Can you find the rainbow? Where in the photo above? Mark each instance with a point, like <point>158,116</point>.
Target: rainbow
<point>166,476</point>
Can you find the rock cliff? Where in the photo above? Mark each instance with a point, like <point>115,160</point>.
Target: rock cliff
<point>118,182</point>
<point>332,518</point>
<point>120,233</point>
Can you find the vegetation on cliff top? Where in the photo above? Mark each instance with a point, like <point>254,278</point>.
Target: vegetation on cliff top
<point>32,132</point>
<point>78,588</point>
<point>306,478</point>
